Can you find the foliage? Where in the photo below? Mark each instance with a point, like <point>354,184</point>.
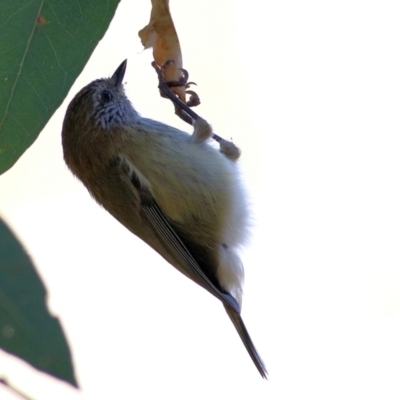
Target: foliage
<point>44,45</point>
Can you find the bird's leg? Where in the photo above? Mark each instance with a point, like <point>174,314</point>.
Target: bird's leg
<point>184,111</point>
<point>165,90</point>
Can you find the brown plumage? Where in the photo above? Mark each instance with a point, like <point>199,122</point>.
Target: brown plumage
<point>173,190</point>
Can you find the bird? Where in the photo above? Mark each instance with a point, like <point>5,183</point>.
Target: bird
<point>174,190</point>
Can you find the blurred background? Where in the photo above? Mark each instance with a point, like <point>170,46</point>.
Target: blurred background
<point>310,92</point>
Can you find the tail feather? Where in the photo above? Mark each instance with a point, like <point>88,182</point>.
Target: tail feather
<point>246,339</point>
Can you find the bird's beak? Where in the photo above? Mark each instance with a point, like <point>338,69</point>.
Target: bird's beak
<point>118,75</point>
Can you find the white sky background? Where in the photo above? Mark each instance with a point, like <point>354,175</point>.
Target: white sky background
<point>310,92</point>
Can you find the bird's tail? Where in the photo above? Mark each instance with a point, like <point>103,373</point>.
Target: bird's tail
<point>246,339</point>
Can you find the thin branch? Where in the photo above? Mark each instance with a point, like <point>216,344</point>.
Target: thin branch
<point>14,389</point>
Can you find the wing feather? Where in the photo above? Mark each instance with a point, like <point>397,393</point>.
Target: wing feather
<point>174,243</point>
<point>171,239</point>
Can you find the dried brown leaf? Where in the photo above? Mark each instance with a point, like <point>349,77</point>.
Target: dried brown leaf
<point>160,34</point>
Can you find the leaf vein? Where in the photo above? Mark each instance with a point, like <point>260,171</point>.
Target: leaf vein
<point>20,66</point>
<point>16,13</point>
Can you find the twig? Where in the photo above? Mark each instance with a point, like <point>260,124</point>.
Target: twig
<point>14,389</point>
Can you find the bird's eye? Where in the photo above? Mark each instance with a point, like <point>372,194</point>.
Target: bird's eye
<point>106,96</point>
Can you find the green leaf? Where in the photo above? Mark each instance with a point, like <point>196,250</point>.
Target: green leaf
<point>44,45</point>
<point>27,329</point>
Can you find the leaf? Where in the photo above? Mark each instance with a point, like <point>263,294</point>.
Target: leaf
<point>27,330</point>
<point>44,45</point>
<point>160,34</point>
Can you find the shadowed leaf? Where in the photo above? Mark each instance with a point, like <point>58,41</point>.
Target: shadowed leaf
<point>27,330</point>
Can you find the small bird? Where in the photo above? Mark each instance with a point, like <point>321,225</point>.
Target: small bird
<point>175,191</point>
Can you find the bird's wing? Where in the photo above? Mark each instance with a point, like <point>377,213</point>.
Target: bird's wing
<point>171,239</point>
<point>175,245</point>
<point>150,214</point>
